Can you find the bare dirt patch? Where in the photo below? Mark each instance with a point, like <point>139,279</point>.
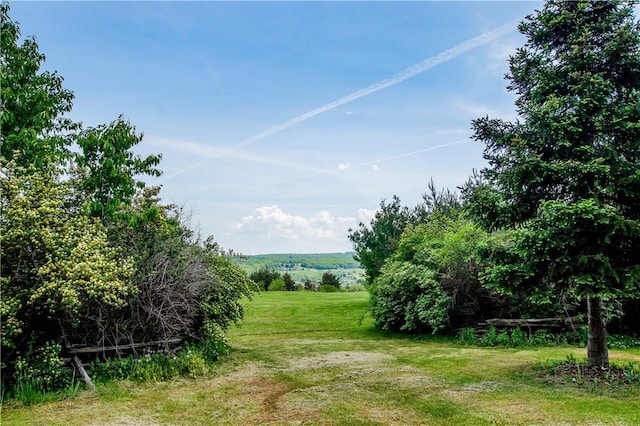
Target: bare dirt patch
<point>268,390</point>
<point>126,421</point>
<point>339,358</point>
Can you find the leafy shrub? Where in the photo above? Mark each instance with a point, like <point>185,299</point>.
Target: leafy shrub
<point>326,288</point>
<point>277,285</point>
<point>264,276</point>
<point>88,252</point>
<point>519,338</point>
<point>406,297</point>
<point>617,341</point>
<point>111,369</point>
<point>289,283</point>
<point>356,288</point>
<point>192,362</point>
<point>631,371</point>
<point>152,367</point>
<point>468,336</point>
<point>41,369</point>
<point>330,279</point>
<point>309,285</point>
<point>213,342</point>
<point>491,338</point>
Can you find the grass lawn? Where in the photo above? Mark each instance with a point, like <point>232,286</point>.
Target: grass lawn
<point>314,358</point>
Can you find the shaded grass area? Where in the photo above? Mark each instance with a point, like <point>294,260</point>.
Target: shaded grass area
<point>314,358</point>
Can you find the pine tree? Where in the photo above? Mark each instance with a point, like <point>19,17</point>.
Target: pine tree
<point>567,175</point>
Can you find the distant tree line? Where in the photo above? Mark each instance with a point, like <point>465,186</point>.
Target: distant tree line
<point>268,279</point>
<point>318,261</point>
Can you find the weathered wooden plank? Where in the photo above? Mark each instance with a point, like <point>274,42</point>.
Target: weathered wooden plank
<point>532,322</point>
<point>98,349</point>
<point>83,373</point>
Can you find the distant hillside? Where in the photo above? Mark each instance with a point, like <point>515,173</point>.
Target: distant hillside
<point>307,266</point>
<point>311,261</point>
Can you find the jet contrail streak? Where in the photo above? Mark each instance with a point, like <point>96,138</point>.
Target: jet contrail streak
<point>406,74</point>
<point>380,160</point>
<point>408,154</point>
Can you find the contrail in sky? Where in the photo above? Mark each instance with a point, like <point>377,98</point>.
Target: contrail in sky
<point>380,160</point>
<point>406,74</point>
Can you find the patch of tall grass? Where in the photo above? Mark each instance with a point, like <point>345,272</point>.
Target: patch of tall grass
<point>517,338</point>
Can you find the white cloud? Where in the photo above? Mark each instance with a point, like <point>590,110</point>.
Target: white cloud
<point>344,166</point>
<point>375,168</point>
<point>275,223</point>
<point>365,215</point>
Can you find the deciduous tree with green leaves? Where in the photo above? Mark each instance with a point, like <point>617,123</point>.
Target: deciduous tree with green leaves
<point>567,174</point>
<point>375,243</point>
<point>108,168</point>
<point>32,102</point>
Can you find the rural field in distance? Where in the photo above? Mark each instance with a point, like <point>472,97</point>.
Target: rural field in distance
<point>308,266</point>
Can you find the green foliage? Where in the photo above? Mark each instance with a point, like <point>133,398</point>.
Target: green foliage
<point>632,372</point>
<point>326,288</point>
<point>264,277</point>
<point>89,255</point>
<point>374,243</point>
<point>41,368</point>
<point>301,267</point>
<point>213,341</point>
<point>468,336</point>
<point>434,275</point>
<point>289,283</point>
<point>309,285</point>
<point>152,367</point>
<point>588,239</point>
<point>330,279</point>
<point>517,338</point>
<point>356,288</point>
<point>618,341</point>
<point>107,167</point>
<point>222,303</point>
<point>566,175</point>
<point>56,261</point>
<point>277,285</point>
<point>33,103</point>
<point>407,297</point>
<point>302,260</point>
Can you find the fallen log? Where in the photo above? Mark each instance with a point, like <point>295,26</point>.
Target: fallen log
<point>533,322</point>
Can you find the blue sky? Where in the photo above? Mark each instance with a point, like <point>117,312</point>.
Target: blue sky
<point>272,129</point>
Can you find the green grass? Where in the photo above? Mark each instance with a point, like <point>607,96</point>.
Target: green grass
<point>314,358</point>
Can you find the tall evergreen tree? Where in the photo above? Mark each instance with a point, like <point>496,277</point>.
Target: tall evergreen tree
<point>567,175</point>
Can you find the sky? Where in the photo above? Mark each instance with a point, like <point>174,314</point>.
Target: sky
<point>283,124</point>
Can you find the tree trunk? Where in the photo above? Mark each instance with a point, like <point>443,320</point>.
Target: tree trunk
<point>597,352</point>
